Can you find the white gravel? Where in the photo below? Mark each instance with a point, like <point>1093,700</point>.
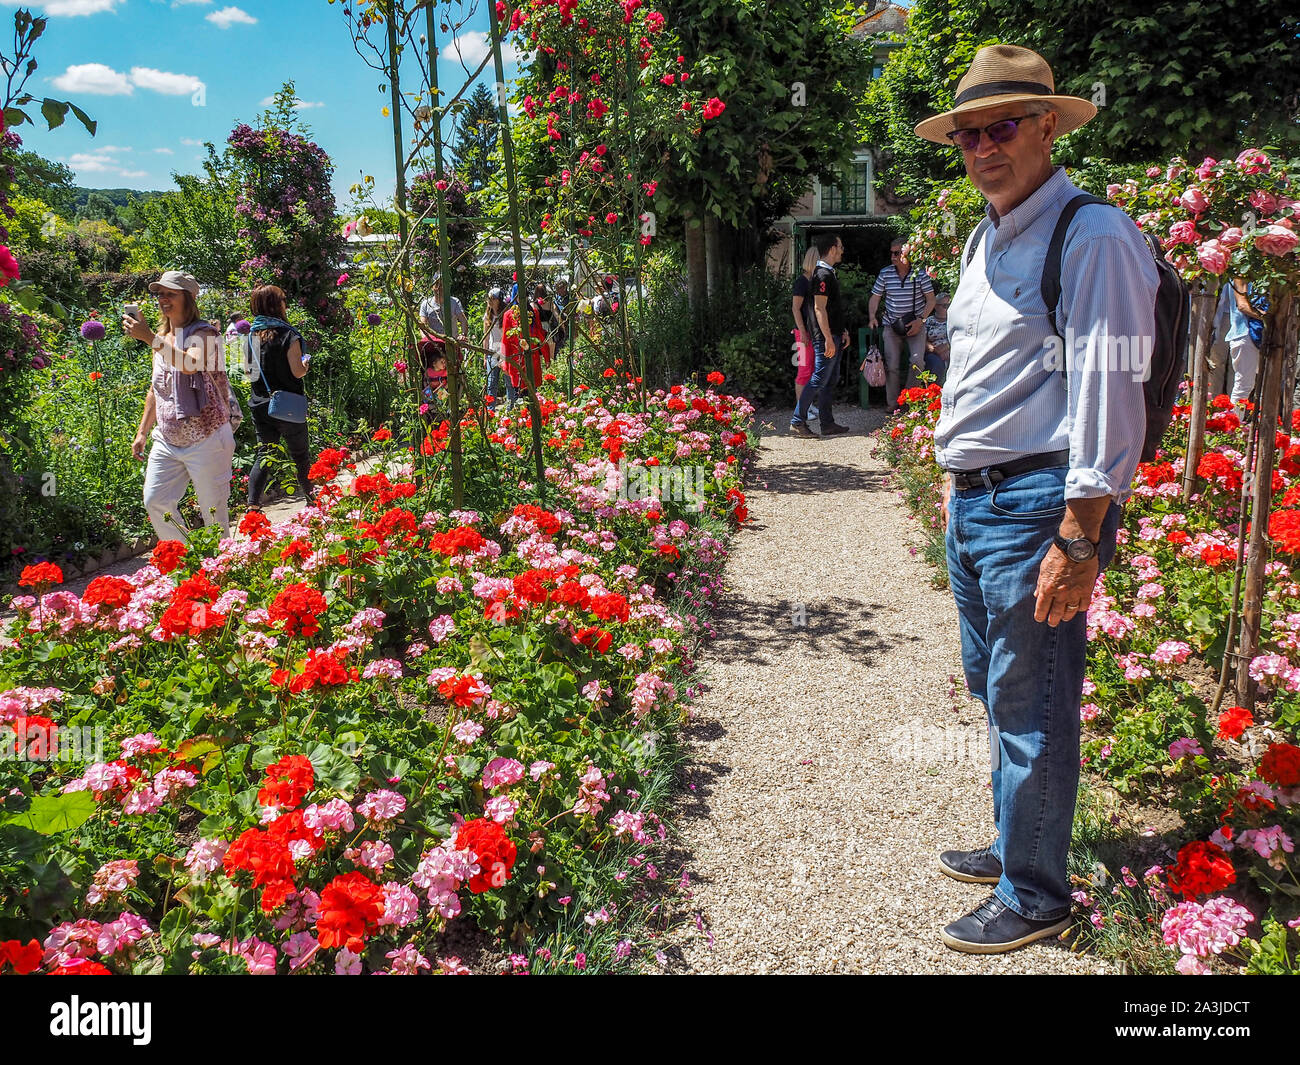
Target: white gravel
<point>829,765</point>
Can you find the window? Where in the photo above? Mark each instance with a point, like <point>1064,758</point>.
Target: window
<point>852,195</point>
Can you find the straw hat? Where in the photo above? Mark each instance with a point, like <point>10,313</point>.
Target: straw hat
<point>1006,74</point>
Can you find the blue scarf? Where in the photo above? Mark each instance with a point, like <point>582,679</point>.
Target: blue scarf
<point>264,322</point>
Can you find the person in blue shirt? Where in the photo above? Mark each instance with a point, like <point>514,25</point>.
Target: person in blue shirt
<point>1037,465</point>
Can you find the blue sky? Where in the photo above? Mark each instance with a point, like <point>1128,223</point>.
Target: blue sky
<point>135,66</point>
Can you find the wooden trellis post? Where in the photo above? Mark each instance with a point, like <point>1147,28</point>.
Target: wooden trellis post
<point>1278,327</point>
<point>1202,325</point>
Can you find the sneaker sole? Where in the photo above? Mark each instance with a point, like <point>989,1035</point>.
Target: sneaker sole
<point>967,878</point>
<point>1001,948</point>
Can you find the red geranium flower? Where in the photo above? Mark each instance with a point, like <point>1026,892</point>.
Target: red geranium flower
<point>1203,869</point>
<point>495,851</point>
<point>25,958</point>
<point>1280,765</point>
<point>350,908</point>
<point>1233,722</point>
<point>298,606</point>
<point>255,525</point>
<point>40,575</point>
<point>167,555</point>
<point>108,591</point>
<point>287,781</point>
<point>381,434</point>
<point>715,378</point>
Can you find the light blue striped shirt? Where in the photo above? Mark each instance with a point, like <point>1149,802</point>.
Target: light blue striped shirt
<point>1005,396</point>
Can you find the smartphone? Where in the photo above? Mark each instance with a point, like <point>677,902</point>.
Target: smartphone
<point>133,310</point>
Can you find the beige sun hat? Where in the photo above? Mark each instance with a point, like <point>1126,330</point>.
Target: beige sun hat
<point>1006,74</point>
<point>176,281</point>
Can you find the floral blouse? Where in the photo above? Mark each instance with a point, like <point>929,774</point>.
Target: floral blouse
<point>183,432</point>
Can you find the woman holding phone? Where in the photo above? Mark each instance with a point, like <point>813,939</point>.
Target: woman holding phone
<point>187,412</point>
<point>275,363</point>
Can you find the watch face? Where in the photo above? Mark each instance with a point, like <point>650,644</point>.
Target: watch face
<point>1081,550</point>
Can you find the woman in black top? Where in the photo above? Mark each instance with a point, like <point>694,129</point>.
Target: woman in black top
<point>276,364</point>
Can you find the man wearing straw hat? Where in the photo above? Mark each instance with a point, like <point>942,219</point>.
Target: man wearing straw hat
<point>1037,464</point>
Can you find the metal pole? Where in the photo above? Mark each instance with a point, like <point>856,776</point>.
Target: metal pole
<point>448,323</point>
<point>395,91</point>
<point>524,313</point>
<point>633,82</point>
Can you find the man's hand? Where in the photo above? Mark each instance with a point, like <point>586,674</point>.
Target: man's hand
<point>915,327</point>
<point>871,321</point>
<point>138,447</point>
<point>1064,587</point>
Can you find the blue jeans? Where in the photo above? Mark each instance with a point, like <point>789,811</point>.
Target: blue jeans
<point>820,389</point>
<point>1028,675</point>
<point>935,364</point>
<point>493,380</point>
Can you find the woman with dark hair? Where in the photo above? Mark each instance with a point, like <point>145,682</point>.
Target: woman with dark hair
<point>274,362</point>
<point>187,413</point>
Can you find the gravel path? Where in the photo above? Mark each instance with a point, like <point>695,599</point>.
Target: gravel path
<point>830,762</point>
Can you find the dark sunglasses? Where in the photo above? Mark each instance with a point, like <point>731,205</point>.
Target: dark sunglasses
<point>999,133</point>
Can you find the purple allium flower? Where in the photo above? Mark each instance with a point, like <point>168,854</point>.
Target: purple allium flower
<point>92,330</point>
<point>373,319</point>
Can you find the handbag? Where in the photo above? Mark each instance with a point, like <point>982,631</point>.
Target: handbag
<point>873,368</point>
<point>284,406</point>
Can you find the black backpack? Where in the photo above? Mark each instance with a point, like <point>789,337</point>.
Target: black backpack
<point>1172,322</point>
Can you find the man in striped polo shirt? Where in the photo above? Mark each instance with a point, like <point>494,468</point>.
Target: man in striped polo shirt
<point>909,300</point>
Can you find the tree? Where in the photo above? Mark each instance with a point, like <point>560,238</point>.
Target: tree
<point>791,115</point>
<point>42,179</point>
<point>195,228</point>
<point>1170,77</point>
<point>285,112</point>
<point>475,138</point>
<point>286,216</point>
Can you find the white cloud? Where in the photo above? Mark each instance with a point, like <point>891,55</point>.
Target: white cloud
<point>228,16</point>
<point>163,151</point>
<point>93,78</point>
<point>101,162</point>
<point>182,3</point>
<point>471,48</point>
<point>165,83</point>
<point>190,142</point>
<point>301,105</point>
<point>66,7</point>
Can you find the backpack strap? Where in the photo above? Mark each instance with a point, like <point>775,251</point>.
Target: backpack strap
<point>1050,286</point>
<point>975,239</point>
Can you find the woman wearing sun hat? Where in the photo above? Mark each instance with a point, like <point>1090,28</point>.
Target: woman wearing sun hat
<point>187,412</point>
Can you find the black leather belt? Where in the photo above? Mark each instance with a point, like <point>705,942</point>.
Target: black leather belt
<point>963,480</point>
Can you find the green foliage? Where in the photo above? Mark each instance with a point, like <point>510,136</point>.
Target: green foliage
<point>195,228</point>
<point>38,178</point>
<point>1171,78</point>
<point>1178,78</point>
<point>919,80</point>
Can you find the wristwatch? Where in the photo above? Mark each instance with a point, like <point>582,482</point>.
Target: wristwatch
<point>1080,549</point>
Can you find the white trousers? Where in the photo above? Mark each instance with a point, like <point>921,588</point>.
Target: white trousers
<point>1245,361</point>
<point>170,471</point>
